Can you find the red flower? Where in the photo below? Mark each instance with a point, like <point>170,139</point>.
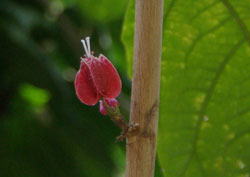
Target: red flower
<point>97,78</point>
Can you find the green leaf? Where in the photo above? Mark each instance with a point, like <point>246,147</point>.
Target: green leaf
<point>204,126</point>
<point>128,34</point>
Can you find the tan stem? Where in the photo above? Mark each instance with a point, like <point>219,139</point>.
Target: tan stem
<point>141,149</point>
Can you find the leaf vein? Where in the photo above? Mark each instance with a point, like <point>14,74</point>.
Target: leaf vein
<point>201,36</point>
<point>239,21</point>
<point>207,99</point>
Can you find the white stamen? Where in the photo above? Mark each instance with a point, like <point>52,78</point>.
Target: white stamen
<point>85,48</point>
<point>88,44</point>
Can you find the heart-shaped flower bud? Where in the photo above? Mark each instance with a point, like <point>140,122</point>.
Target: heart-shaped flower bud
<point>97,78</point>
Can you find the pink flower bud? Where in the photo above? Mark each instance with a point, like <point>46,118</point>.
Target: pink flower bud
<point>97,78</point>
<point>102,109</point>
<point>112,103</point>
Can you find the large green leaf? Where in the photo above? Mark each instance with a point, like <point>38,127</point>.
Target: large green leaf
<point>204,127</point>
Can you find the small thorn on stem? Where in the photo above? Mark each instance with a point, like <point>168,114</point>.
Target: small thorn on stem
<point>129,131</point>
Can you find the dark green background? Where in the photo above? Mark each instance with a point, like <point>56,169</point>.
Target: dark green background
<point>44,130</point>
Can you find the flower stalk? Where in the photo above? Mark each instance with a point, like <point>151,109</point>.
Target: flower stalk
<point>127,130</point>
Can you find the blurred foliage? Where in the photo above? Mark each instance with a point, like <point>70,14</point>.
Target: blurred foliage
<point>44,130</point>
<point>204,112</point>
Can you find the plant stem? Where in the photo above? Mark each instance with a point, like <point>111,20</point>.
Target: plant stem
<point>141,149</point>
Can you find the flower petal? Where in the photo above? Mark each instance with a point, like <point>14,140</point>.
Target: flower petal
<point>105,77</point>
<point>84,86</point>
